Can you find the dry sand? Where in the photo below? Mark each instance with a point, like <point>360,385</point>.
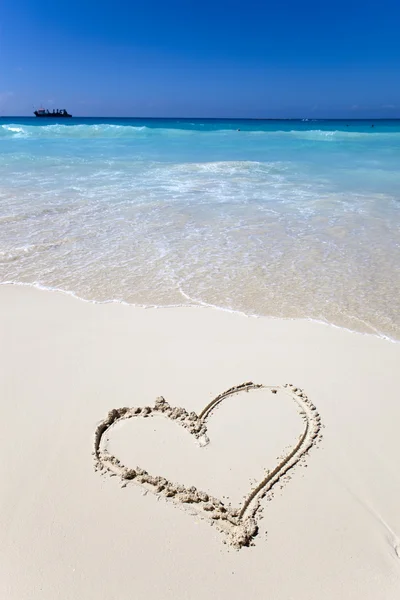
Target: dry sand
<point>77,525</point>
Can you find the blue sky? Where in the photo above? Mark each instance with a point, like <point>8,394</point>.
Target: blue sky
<point>209,59</point>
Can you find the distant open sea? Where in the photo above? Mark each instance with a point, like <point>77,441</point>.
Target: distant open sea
<point>297,219</point>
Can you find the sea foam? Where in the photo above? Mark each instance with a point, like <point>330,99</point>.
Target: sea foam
<point>263,221</point>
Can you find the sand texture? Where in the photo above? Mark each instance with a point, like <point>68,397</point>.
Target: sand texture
<point>128,471</point>
<point>239,523</point>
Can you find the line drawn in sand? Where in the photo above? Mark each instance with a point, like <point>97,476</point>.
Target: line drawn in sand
<point>240,524</point>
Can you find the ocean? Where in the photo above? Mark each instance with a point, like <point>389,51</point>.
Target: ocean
<point>288,218</point>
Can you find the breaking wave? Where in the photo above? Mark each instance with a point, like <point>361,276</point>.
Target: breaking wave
<point>115,131</point>
<point>292,220</point>
<point>85,131</point>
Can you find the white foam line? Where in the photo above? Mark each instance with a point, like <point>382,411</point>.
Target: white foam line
<point>201,304</point>
<point>214,306</point>
<point>308,319</point>
<point>45,288</point>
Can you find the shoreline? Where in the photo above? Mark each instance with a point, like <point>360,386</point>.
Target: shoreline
<point>331,525</point>
<point>199,304</point>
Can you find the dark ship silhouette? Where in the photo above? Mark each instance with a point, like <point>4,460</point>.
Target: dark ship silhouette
<point>41,112</point>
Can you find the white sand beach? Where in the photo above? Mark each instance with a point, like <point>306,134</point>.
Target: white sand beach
<point>328,529</point>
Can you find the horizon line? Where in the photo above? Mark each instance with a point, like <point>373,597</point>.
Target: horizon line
<point>217,118</point>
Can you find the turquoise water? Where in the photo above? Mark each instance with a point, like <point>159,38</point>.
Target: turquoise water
<point>285,218</point>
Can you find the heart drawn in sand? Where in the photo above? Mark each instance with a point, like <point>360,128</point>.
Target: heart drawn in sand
<point>240,524</point>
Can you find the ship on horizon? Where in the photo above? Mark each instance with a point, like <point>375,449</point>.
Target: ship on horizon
<point>42,112</point>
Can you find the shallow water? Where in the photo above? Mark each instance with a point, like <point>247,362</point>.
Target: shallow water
<point>284,218</point>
